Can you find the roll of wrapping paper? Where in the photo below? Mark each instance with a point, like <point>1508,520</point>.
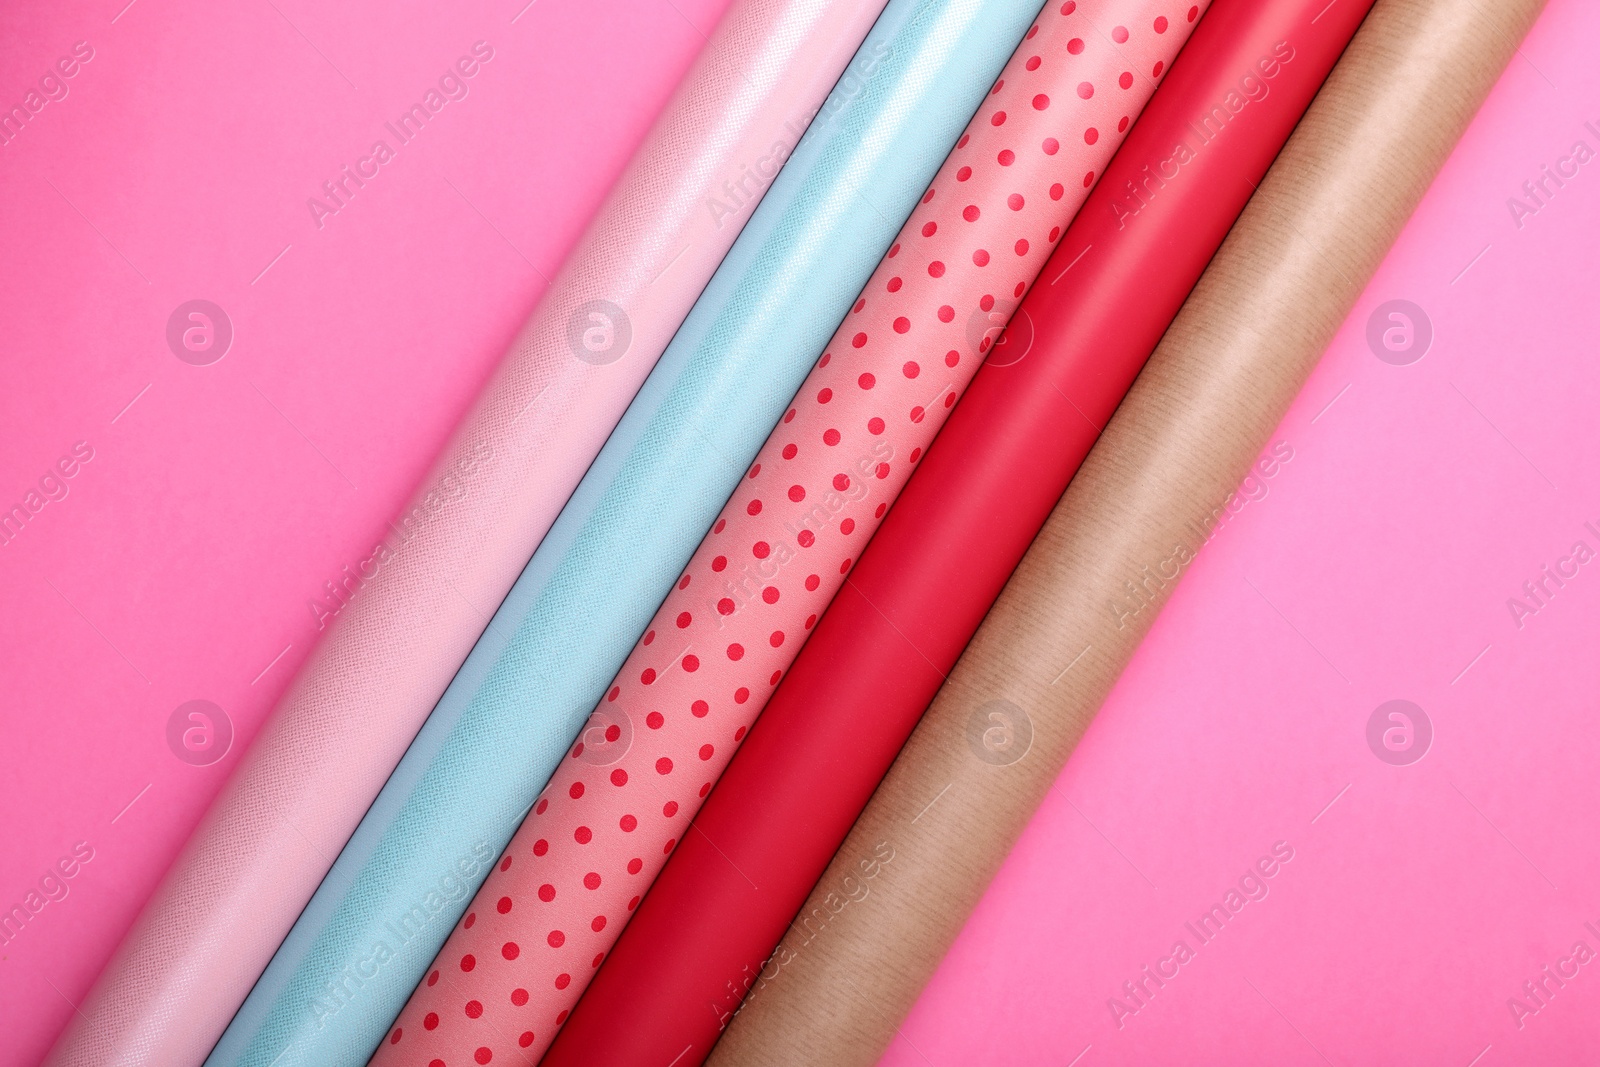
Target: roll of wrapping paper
<point>447,561</point>
<point>779,550</point>
<point>999,731</point>
<point>367,936</point>
<point>708,927</point>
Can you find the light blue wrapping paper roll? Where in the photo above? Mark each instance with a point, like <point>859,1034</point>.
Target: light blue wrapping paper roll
<point>452,804</point>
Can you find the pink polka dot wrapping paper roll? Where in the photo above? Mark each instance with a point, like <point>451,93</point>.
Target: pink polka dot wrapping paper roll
<point>784,543</point>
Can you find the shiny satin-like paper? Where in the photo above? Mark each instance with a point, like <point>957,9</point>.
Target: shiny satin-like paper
<point>368,935</point>
<point>1143,505</point>
<point>783,544</point>
<point>292,803</point>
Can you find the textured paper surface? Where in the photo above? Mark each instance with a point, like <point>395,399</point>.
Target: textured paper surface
<point>1440,868</point>
<point>193,556</point>
<point>706,932</point>
<point>621,543</point>
<point>290,805</point>
<point>1123,534</point>
<point>781,546</point>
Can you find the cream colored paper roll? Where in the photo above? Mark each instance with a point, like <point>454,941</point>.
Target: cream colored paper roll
<point>952,806</point>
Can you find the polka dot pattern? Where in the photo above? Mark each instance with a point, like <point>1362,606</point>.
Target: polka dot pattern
<point>787,538</point>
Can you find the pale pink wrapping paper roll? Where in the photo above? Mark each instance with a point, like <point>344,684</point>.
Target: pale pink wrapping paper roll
<point>718,646</point>
<point>447,562</point>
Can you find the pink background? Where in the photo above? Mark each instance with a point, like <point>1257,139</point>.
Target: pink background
<point>180,564</point>
<point>1378,567</point>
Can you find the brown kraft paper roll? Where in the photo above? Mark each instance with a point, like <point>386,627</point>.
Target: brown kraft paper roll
<point>1002,727</point>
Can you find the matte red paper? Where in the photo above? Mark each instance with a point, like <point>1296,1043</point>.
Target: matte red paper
<point>703,936</point>
<point>782,545</point>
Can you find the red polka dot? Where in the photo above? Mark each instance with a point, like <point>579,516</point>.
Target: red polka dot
<point>812,581</point>
<point>668,846</point>
<point>1051,146</point>
<point>1122,124</point>
<point>648,675</point>
<point>1069,7</point>
<point>654,720</point>
<point>986,302</point>
<point>1159,67</point>
<point>1161,24</point>
<point>684,619</point>
<point>770,594</point>
<point>911,370</point>
<point>726,606</point>
<point>576,790</point>
<point>916,413</point>
<point>806,538</point>
<point>1015,201</point>
<point>929,229</point>
<point>936,269</point>
<point>519,996</point>
<point>700,708</point>
<point>598,956</point>
<point>797,493</point>
<point>634,866</point>
<point>598,924</point>
<point>1042,101</point>
<point>760,550</point>
<point>483,1055</point>
<point>628,824</point>
<point>526,1039</point>
<point>663,766</point>
<point>1006,158</point>
<point>1091,135</point>
<point>963,174</point>
<point>468,962</point>
<point>971,213</point>
<point>844,567</point>
<point>563,980</point>
<point>841,482</point>
<point>951,358</point>
<point>980,258</point>
<point>867,381</point>
<point>540,847</point>
<point>503,905</point>
<point>669,809</point>
<point>561,1018</point>
<point>1125,79</point>
<point>583,835</point>
<point>472,917</point>
<point>1119,34</point>
<point>505,864</point>
<point>1057,191</point>
<point>874,425</point>
<point>998,118</point>
<point>510,950</point>
<point>1075,46</point>
<point>916,454</point>
<point>433,976</point>
<point>894,284</point>
<point>755,470</point>
<point>826,395</point>
<point>882,471</point>
<point>946,313</point>
<point>754,507</point>
<point>538,808</point>
<point>556,939</point>
<point>777,638</point>
<point>789,451</point>
<point>1022,246</point>
<point>394,1038</point>
<point>1193,13</point>
<point>706,752</point>
<point>591,880</point>
<point>740,695</point>
<point>847,526</point>
<point>901,325</point>
<point>927,197</point>
<point>430,1021</point>
<point>735,653</point>
<point>473,1009</point>
<point>1088,180</point>
<point>894,249</point>
<point>1033,63</point>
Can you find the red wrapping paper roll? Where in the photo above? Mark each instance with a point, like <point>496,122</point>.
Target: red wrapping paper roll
<point>703,936</point>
